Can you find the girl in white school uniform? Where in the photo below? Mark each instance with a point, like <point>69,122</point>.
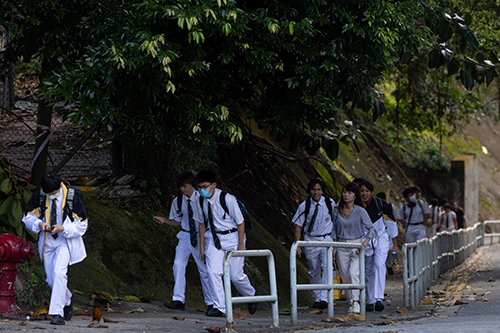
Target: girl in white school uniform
<point>352,224</point>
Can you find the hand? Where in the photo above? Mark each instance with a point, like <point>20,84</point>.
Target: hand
<point>56,229</point>
<point>43,226</point>
<point>334,252</point>
<point>241,247</point>
<point>395,249</point>
<point>158,219</point>
<point>202,255</point>
<point>299,251</point>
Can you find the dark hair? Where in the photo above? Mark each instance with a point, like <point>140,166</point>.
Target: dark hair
<point>351,187</point>
<point>381,195</point>
<point>444,201</point>
<point>185,177</point>
<point>447,206</point>
<point>358,180</point>
<point>50,182</point>
<point>416,189</point>
<point>434,202</point>
<point>206,176</point>
<point>314,181</point>
<point>407,192</point>
<point>368,185</point>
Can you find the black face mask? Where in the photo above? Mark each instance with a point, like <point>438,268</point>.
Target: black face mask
<point>411,204</point>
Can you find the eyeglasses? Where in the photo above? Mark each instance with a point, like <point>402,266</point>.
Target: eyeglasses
<point>204,187</point>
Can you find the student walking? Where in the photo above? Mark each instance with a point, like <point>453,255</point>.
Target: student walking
<point>185,213</point>
<point>351,225</point>
<point>223,232</point>
<point>414,212</point>
<point>314,216</point>
<point>57,214</point>
<point>384,222</point>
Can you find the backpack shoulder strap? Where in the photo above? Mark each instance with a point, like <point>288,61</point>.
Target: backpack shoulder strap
<point>222,199</point>
<point>328,204</point>
<point>179,205</point>
<point>200,201</point>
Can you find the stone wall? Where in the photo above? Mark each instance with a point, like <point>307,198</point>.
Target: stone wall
<point>464,171</point>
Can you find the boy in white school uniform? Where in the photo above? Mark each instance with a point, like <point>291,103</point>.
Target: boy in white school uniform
<point>58,214</point>
<point>222,233</point>
<point>185,213</point>
<point>314,216</point>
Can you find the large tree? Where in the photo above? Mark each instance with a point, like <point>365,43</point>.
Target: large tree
<point>168,71</point>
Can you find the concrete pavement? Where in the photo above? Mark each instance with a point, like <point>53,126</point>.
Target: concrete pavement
<point>466,286</point>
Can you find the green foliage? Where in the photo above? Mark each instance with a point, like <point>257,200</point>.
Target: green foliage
<point>425,156</point>
<point>36,289</point>
<point>178,71</point>
<point>14,195</point>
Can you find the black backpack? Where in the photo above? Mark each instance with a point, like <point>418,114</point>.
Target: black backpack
<point>241,205</point>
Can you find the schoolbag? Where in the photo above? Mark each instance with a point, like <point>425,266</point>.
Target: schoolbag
<point>241,205</point>
<point>308,207</point>
<point>69,201</point>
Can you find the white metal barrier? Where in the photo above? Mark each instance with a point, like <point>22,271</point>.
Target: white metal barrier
<point>491,234</point>
<point>273,297</point>
<point>330,286</point>
<point>426,259</point>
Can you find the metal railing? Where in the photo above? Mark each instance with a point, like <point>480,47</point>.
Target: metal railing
<point>492,233</point>
<point>330,286</point>
<point>426,259</point>
<point>273,297</point>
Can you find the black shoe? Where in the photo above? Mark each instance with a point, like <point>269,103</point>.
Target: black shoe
<point>316,305</point>
<point>379,306</point>
<point>252,307</point>
<point>57,320</point>
<point>209,308</point>
<point>176,305</point>
<point>369,307</point>
<point>215,313</point>
<point>323,305</point>
<point>390,271</point>
<point>68,309</point>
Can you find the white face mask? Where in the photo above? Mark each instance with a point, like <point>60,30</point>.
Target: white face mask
<point>55,196</point>
<point>413,198</point>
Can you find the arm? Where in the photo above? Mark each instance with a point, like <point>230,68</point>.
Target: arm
<point>241,236</point>
<point>78,226</point>
<point>201,233</point>
<point>395,245</point>
<point>164,220</point>
<point>298,232</point>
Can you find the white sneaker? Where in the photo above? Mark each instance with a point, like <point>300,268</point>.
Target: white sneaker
<point>355,307</point>
<point>350,309</point>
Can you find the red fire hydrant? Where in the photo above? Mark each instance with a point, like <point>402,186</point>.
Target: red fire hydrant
<point>13,250</point>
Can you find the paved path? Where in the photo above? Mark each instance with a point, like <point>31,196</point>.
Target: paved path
<point>467,284</point>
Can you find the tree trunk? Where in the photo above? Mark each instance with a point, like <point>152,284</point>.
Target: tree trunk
<point>44,118</point>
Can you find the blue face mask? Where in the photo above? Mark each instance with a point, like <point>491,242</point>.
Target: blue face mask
<point>204,192</point>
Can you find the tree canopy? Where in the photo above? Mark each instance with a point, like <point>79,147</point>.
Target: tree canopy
<point>174,70</point>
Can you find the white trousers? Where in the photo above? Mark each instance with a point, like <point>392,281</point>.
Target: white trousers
<point>215,268</point>
<point>375,271</point>
<point>316,261</point>
<point>55,262</point>
<point>430,231</point>
<point>348,263</point>
<point>414,233</point>
<point>182,253</point>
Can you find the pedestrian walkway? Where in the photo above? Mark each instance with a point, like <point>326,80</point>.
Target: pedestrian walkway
<point>461,293</point>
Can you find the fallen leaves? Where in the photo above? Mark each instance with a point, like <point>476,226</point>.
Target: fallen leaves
<point>404,310</point>
<point>318,312</point>
<point>178,318</point>
<point>238,314</point>
<point>459,302</point>
<point>130,298</point>
<point>344,319</point>
<point>83,312</point>
<point>491,279</point>
<point>213,329</point>
<point>427,302</point>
